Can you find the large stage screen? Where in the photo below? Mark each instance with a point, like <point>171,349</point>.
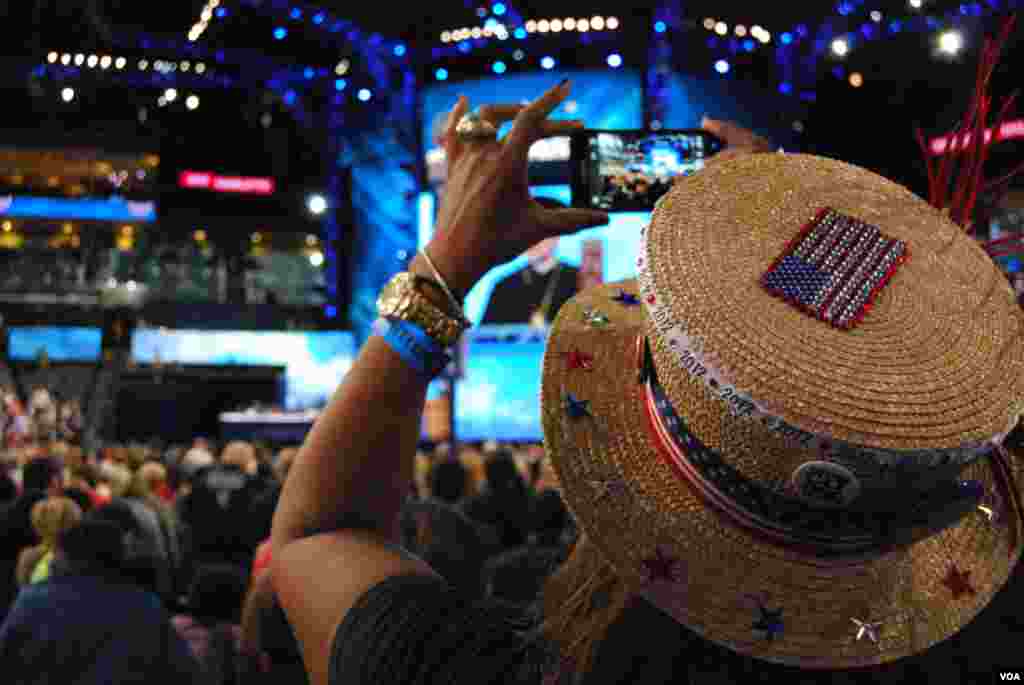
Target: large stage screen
<point>315,361</point>
<point>61,343</point>
<point>618,242</point>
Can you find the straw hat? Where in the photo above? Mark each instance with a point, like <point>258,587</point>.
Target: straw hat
<point>803,473</point>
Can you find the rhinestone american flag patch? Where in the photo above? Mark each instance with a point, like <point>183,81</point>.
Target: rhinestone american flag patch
<point>835,268</point>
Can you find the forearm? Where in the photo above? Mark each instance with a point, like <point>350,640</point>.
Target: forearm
<point>357,462</point>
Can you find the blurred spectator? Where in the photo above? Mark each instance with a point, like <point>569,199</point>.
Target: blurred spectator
<point>142,496</point>
<point>41,478</point>
<point>143,563</point>
<point>87,626</point>
<point>211,624</point>
<point>454,546</point>
<point>50,518</point>
<point>505,503</point>
<point>218,510</point>
<point>267,635</point>
<point>448,481</point>
<point>8,488</point>
<point>82,499</point>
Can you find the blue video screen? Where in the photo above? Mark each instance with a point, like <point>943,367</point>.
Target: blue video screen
<point>315,361</point>
<point>499,396</point>
<point>61,343</point>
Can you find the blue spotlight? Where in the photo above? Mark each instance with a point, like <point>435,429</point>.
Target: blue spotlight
<point>498,8</point>
<point>748,45</point>
<point>399,50</point>
<point>660,27</point>
<point>289,97</point>
<point>221,12</point>
<point>547,63</point>
<point>318,18</point>
<point>722,67</point>
<point>499,67</point>
<point>785,88</point>
<point>519,33</point>
<point>441,74</point>
<point>340,84</point>
<point>280,33</point>
<point>615,60</point>
<point>786,38</point>
<point>365,95</point>
<point>309,73</point>
<point>296,13</point>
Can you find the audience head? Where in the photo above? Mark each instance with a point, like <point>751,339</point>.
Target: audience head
<point>95,545</point>
<point>43,473</point>
<point>54,515</point>
<point>550,518</point>
<point>195,459</point>
<point>448,481</point>
<point>217,593</point>
<point>240,454</point>
<point>148,480</point>
<point>502,473</point>
<point>117,477</point>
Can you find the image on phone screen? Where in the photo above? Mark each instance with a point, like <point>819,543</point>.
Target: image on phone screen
<point>632,171</point>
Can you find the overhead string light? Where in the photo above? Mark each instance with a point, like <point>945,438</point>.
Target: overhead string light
<point>107,62</point>
<point>211,9</point>
<point>501,31</point>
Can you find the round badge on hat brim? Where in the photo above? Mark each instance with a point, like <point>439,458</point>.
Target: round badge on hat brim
<point>811,613</point>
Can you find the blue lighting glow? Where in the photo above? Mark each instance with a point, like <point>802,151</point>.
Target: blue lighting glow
<point>309,72</point>
<point>289,97</point>
<point>221,12</point>
<point>296,13</point>
<point>365,95</point>
<point>340,84</point>
<point>748,45</point>
<point>465,47</point>
<point>802,30</point>
<point>547,63</point>
<point>895,26</point>
<point>722,67</point>
<point>660,27</point>
<point>331,311</point>
<point>498,8</point>
<point>318,18</point>
<point>499,67</point>
<point>519,33</point>
<point>785,88</point>
<point>786,38</point>
<point>280,33</point>
<point>615,61</point>
<point>399,50</point>
<point>441,74</point>
<point>845,8</point>
<point>839,72</point>
<point>491,23</point>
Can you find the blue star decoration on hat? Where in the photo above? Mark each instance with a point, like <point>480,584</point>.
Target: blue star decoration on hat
<point>627,299</point>
<point>769,623</point>
<point>576,409</point>
<point>661,567</point>
<point>595,319</point>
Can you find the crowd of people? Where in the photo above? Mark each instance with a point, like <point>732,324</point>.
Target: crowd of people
<point>136,562</point>
<point>43,417</point>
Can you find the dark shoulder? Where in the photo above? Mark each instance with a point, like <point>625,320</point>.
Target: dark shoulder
<point>419,630</point>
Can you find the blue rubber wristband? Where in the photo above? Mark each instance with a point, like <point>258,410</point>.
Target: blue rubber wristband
<point>413,345</point>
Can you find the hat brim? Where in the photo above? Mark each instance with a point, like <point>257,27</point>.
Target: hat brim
<point>717,579</point>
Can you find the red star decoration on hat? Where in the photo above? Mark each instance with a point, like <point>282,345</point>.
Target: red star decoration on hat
<point>661,567</point>
<point>577,360</point>
<point>958,582</point>
<point>651,299</point>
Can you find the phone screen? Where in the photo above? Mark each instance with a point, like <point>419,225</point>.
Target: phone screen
<point>631,170</point>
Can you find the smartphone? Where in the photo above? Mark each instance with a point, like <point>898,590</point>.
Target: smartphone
<point>628,171</point>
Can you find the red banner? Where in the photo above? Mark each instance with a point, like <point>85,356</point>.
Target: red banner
<point>243,185</point>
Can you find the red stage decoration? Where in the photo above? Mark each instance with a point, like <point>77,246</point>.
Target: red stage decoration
<point>242,185</point>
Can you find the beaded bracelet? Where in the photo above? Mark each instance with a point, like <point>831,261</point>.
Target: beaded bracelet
<point>413,345</point>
